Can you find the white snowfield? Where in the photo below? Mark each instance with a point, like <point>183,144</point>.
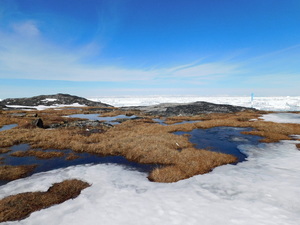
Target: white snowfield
<point>43,107</point>
<point>263,190</point>
<point>262,103</point>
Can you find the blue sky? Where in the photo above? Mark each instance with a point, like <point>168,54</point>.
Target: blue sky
<point>149,47</point>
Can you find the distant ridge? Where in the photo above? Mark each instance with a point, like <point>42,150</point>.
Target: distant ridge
<point>51,100</point>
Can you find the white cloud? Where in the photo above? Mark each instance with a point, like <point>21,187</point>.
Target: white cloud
<point>206,69</point>
<point>32,58</point>
<point>26,28</point>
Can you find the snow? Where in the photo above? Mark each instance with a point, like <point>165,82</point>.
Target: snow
<point>282,117</point>
<point>284,103</point>
<point>263,190</point>
<point>49,100</point>
<point>43,107</point>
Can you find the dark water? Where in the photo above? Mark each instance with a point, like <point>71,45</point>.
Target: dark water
<point>222,139</point>
<point>61,162</point>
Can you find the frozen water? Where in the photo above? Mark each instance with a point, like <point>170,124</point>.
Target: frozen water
<point>282,117</point>
<point>284,103</point>
<point>43,107</point>
<point>263,190</point>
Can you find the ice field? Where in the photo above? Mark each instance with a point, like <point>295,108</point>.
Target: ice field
<point>284,103</point>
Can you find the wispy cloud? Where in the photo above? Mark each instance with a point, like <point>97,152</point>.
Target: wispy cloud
<point>27,28</point>
<point>24,54</point>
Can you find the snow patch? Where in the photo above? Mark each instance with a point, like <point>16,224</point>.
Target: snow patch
<point>282,117</point>
<point>49,100</point>
<point>262,190</point>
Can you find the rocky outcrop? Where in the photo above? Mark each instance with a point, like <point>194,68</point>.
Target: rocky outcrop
<point>188,109</point>
<point>50,100</point>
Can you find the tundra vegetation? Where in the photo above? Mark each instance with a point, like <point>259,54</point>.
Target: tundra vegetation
<point>20,206</point>
<point>140,140</point>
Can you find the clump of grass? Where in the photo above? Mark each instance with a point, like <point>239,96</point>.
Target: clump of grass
<point>20,206</point>
<point>191,162</point>
<point>39,154</point>
<point>143,141</point>
<point>8,172</point>
<point>72,156</point>
<point>298,146</point>
<point>4,150</point>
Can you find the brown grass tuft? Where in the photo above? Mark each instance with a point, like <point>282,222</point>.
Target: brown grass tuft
<point>4,150</point>
<point>38,153</point>
<point>20,206</point>
<point>143,141</point>
<point>298,146</point>
<point>8,172</point>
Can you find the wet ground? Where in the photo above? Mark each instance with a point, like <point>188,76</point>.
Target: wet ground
<point>7,127</point>
<point>111,120</point>
<point>61,162</point>
<point>222,139</point>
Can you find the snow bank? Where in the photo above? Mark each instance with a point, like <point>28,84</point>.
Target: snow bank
<point>43,107</point>
<point>263,190</point>
<point>282,117</point>
<point>262,103</point>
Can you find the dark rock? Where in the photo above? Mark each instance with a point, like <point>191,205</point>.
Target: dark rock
<point>38,123</point>
<point>188,109</point>
<point>50,100</point>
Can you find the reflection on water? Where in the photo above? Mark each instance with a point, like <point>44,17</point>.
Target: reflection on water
<point>7,127</point>
<point>222,139</point>
<point>61,162</point>
<point>102,118</point>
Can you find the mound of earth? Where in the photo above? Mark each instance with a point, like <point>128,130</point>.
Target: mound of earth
<point>50,100</point>
<point>188,109</point>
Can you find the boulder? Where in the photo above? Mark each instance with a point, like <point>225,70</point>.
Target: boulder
<point>38,123</point>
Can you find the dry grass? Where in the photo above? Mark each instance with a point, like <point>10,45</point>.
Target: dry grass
<point>20,206</point>
<point>298,146</point>
<point>72,156</point>
<point>146,142</point>
<point>39,154</point>
<point>15,172</point>
<point>4,150</point>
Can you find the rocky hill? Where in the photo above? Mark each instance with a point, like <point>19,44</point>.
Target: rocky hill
<point>50,100</point>
<point>188,109</point>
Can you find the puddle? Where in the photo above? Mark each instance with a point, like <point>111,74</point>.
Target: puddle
<point>110,120</point>
<point>162,122</point>
<point>61,162</point>
<point>8,127</point>
<point>222,139</point>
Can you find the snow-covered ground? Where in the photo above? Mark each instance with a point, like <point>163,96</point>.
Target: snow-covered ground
<point>262,103</point>
<point>43,107</point>
<point>262,190</point>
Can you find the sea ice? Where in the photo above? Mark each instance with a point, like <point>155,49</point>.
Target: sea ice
<point>282,117</point>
